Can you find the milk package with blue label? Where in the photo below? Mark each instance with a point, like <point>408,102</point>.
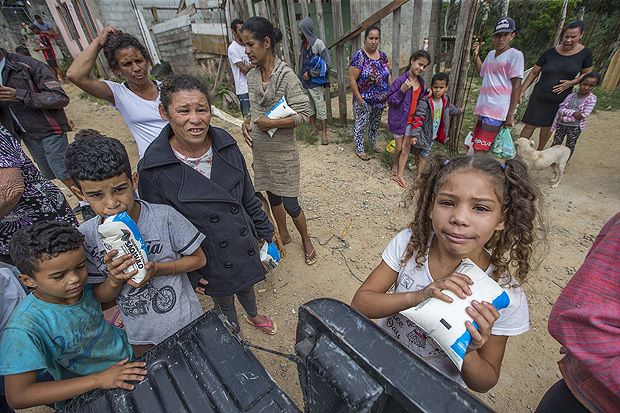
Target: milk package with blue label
<point>270,256</point>
<point>445,322</point>
<point>119,232</point>
<point>279,111</point>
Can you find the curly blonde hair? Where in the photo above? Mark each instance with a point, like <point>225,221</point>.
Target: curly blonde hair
<point>511,248</point>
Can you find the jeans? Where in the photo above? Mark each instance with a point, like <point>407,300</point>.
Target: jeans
<point>49,155</point>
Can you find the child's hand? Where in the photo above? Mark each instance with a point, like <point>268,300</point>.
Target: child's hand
<point>117,375</point>
<point>457,283</point>
<point>406,85</point>
<point>200,288</point>
<point>116,267</point>
<point>476,48</point>
<point>509,122</point>
<point>151,271</point>
<point>577,115</point>
<point>485,315</point>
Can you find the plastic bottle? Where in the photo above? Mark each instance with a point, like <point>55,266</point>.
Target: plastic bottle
<point>119,232</point>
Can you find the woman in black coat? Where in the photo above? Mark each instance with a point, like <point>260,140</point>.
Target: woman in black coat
<point>199,170</point>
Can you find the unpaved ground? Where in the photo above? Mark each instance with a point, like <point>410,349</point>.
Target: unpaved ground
<point>338,187</point>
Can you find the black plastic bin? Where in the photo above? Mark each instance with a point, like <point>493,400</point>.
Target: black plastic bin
<point>349,364</point>
<point>202,368</point>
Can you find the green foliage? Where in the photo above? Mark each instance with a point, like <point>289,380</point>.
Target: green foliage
<point>303,133</point>
<point>223,89</point>
<point>607,100</point>
<point>86,96</point>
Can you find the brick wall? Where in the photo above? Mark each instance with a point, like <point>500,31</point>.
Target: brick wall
<point>175,46</point>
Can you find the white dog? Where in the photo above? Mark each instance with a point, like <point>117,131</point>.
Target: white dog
<point>556,155</point>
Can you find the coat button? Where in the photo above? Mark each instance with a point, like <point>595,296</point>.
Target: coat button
<point>234,209</point>
<point>251,252</point>
<point>223,244</point>
<point>243,232</point>
<point>228,265</point>
<point>214,218</point>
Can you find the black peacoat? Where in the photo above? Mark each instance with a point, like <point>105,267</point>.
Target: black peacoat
<point>224,208</point>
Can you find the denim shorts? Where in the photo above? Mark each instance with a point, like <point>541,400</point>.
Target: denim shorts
<point>49,155</point>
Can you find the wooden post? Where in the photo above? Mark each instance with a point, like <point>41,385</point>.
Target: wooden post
<point>612,75</point>
<point>558,30</point>
<point>304,8</point>
<point>356,42</point>
<point>505,6</point>
<point>318,4</point>
<point>342,76</point>
<point>434,40</point>
<point>396,44</point>
<point>282,23</point>
<point>292,21</point>
<point>416,23</point>
<point>460,66</point>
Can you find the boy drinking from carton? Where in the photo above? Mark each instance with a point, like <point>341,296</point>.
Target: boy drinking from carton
<point>431,120</point>
<point>501,74</point>
<point>164,301</point>
<point>60,328</point>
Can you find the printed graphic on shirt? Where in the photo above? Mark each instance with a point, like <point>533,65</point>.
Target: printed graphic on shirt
<point>138,301</point>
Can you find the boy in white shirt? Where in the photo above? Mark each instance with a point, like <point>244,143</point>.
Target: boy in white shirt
<point>501,74</point>
<point>240,66</point>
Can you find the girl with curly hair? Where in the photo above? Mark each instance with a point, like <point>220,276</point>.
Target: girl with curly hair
<point>471,207</point>
<point>137,99</point>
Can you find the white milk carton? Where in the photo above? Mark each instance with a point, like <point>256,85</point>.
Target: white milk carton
<point>119,232</point>
<point>445,322</point>
<point>279,111</point>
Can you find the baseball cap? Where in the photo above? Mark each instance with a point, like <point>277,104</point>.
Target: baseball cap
<point>504,25</point>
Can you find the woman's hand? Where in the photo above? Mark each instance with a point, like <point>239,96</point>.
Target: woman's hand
<point>360,101</point>
<point>406,85</point>
<point>562,86</point>
<point>485,315</point>
<point>457,283</point>
<point>105,33</point>
<point>264,123</point>
<point>246,128</point>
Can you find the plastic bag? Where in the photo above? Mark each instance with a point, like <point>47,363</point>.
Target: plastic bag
<point>270,256</point>
<point>445,322</point>
<point>391,146</point>
<point>503,146</point>
<point>469,143</point>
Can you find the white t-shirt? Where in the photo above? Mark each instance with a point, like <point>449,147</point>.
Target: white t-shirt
<point>513,320</point>
<point>141,115</point>
<point>494,97</point>
<point>236,54</point>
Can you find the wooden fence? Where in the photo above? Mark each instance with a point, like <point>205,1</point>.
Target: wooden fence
<point>283,14</point>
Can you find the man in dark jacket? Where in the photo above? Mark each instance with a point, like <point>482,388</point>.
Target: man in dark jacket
<point>314,65</point>
<point>31,108</point>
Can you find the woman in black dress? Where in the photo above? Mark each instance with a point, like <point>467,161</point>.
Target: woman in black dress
<point>558,67</point>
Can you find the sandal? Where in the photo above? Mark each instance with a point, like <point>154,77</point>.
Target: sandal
<point>324,141</point>
<point>403,184</point>
<point>271,325</point>
<point>311,258</point>
<point>377,150</point>
<point>362,156</point>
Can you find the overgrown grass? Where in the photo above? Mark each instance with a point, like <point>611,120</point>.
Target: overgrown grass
<point>303,133</point>
<point>607,100</point>
<point>86,96</point>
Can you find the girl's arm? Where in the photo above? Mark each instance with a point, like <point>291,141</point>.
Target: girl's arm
<point>395,94</point>
<point>354,73</point>
<point>372,301</point>
<point>481,367</point>
<point>589,106</point>
<point>23,391</point>
<point>79,71</point>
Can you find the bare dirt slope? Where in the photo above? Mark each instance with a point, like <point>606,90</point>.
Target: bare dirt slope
<point>338,187</point>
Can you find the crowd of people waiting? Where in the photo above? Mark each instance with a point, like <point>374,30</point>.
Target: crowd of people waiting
<point>197,209</point>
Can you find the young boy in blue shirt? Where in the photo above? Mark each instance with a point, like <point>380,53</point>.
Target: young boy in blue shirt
<point>164,302</point>
<point>60,328</point>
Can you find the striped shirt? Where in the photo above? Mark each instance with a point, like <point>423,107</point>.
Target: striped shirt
<point>564,111</point>
<point>586,321</point>
<point>497,72</point>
